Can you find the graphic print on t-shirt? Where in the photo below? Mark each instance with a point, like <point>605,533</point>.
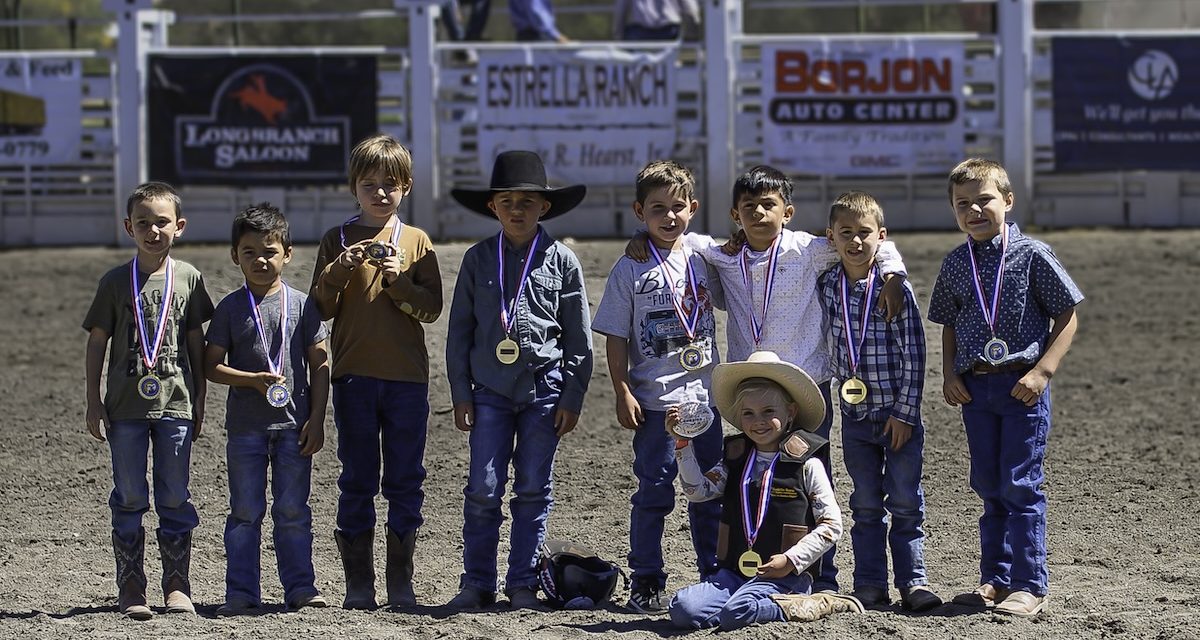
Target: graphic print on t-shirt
<point>661,332</point>
<point>167,364</point>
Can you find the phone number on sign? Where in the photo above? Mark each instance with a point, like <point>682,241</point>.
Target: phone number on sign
<point>24,148</point>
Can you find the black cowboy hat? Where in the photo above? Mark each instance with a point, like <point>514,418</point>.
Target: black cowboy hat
<point>521,171</point>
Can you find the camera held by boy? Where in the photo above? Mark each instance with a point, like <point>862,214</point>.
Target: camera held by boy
<point>880,365</point>
<point>267,342</point>
<point>657,318</point>
<point>1007,307</point>
<point>518,359</point>
<point>149,315</point>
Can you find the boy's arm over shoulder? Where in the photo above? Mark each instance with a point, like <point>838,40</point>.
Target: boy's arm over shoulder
<point>575,319</point>
<point>460,331</point>
<point>911,335</point>
<point>330,276</point>
<point>418,291</point>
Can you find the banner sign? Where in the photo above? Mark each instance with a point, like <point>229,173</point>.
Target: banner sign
<point>41,110</point>
<point>1126,103</point>
<point>877,107</point>
<point>283,120</point>
<point>595,116</point>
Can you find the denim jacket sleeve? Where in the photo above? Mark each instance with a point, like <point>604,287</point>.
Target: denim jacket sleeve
<point>575,318</point>
<point>460,332</point>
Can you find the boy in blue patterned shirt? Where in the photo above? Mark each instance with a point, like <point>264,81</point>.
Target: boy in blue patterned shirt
<point>880,364</point>
<point>1007,307</point>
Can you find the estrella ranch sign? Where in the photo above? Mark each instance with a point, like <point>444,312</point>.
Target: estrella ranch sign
<point>863,108</point>
<point>282,120</point>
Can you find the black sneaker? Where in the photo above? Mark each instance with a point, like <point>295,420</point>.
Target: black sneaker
<point>646,597</point>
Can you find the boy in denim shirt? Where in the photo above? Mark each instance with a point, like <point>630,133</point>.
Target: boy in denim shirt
<point>880,364</point>
<point>518,358</point>
<point>1007,307</point>
<point>266,341</point>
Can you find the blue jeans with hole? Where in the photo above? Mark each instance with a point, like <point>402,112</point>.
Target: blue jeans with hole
<point>729,600</point>
<point>655,469</point>
<point>375,417</point>
<point>249,455</point>
<point>524,435</point>
<point>1007,441</point>
<point>887,485</point>
<point>169,442</point>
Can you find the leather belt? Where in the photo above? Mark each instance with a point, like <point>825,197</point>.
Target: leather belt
<point>983,368</point>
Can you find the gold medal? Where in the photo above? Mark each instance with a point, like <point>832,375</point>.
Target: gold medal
<point>853,390</point>
<point>507,351</point>
<point>749,562</point>
<point>149,386</point>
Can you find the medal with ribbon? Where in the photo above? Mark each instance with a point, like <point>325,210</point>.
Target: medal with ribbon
<point>756,324</point>
<point>149,386</point>
<point>750,561</point>
<point>277,393</point>
<point>995,350</point>
<point>376,250</point>
<point>692,357</point>
<point>853,389</point>
<point>507,351</point>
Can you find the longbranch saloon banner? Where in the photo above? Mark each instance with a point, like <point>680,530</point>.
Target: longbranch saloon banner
<point>41,110</point>
<point>283,120</point>
<point>595,116</point>
<point>889,107</point>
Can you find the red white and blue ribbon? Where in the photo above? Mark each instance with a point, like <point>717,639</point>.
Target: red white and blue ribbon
<point>395,230</point>
<point>989,317</point>
<point>764,497</point>
<point>149,352</point>
<point>508,310</point>
<point>853,346</point>
<point>274,364</point>
<point>757,324</point>
<point>689,321</point>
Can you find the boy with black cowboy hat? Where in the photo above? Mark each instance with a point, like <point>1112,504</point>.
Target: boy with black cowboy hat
<point>518,357</point>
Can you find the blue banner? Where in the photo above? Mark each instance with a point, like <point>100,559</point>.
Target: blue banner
<point>1126,103</point>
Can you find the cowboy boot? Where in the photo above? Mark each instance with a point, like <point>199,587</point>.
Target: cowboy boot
<point>400,568</point>
<point>359,564</point>
<point>176,554</point>
<point>131,579</point>
<point>798,607</point>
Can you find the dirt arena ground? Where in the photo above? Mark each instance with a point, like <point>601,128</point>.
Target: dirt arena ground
<point>1124,470</point>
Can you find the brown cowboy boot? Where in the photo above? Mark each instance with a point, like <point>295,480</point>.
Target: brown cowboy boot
<point>359,564</point>
<point>131,579</point>
<point>798,607</point>
<point>176,554</point>
<point>400,568</point>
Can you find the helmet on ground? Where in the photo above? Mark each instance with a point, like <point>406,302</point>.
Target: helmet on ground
<point>573,576</point>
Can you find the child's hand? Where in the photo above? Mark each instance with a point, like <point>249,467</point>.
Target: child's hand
<point>900,431</point>
<point>1030,387</point>
<point>637,250</point>
<point>464,416</point>
<point>777,567</point>
<point>264,379</point>
<point>735,243</point>
<point>312,436</point>
<point>354,255</point>
<point>392,265</point>
<point>97,420</point>
<point>629,412</point>
<point>891,296</point>
<point>954,390</point>
<point>672,421</point>
<point>197,419</point>
<point>564,421</point>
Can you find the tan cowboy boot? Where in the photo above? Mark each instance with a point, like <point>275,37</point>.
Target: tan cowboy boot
<point>798,607</point>
<point>176,554</point>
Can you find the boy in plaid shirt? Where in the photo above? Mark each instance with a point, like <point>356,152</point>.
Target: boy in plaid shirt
<point>880,365</point>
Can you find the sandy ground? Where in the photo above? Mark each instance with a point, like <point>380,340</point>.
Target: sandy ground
<point>1122,468</point>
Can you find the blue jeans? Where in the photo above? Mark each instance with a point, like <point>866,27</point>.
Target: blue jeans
<point>249,455</point>
<point>655,468</point>
<point>129,441</point>
<point>732,601</point>
<point>368,412</point>
<point>1007,441</point>
<point>885,480</point>
<point>828,577</point>
<point>499,423</point>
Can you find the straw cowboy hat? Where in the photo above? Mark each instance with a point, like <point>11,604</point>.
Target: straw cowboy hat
<point>521,171</point>
<point>765,364</point>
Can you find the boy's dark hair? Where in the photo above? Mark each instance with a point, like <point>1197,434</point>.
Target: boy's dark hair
<point>669,174</point>
<point>858,203</point>
<point>154,191</point>
<point>761,180</point>
<point>262,218</point>
<point>381,151</point>
<point>980,170</point>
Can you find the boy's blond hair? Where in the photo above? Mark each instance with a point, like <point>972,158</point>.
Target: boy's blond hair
<point>381,151</point>
<point>980,170</point>
<point>666,173</point>
<point>857,203</point>
<point>756,386</point>
<point>154,191</point>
